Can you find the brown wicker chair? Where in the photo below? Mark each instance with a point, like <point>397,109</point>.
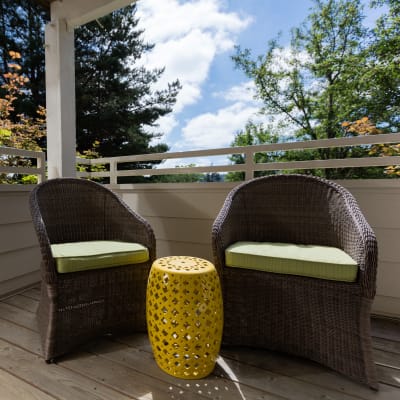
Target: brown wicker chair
<point>77,306</point>
<point>322,320</point>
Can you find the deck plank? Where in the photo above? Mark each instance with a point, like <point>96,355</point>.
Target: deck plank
<point>386,328</point>
<point>13,388</point>
<point>32,293</point>
<point>22,302</point>
<point>20,336</point>
<point>124,368</point>
<point>391,377</point>
<point>311,372</point>
<point>18,316</point>
<point>210,387</point>
<point>54,379</point>
<point>123,378</point>
<point>386,345</point>
<point>258,378</point>
<point>128,378</point>
<point>387,359</point>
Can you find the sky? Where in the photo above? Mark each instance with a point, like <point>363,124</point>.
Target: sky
<point>194,40</point>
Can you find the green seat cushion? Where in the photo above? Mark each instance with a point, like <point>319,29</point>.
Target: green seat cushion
<point>81,256</point>
<point>284,258</point>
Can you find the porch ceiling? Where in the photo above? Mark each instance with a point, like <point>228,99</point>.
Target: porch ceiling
<point>77,12</point>
<point>44,3</point>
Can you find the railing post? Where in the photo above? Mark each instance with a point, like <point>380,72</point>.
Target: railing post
<point>113,172</point>
<point>41,166</point>
<point>248,165</point>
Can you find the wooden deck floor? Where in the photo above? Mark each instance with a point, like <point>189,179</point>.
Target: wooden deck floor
<point>123,368</point>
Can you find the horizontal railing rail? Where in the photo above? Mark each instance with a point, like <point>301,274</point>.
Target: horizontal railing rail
<point>249,167</point>
<point>39,170</point>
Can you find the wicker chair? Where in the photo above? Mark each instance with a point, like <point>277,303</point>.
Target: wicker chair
<point>322,320</point>
<point>74,307</point>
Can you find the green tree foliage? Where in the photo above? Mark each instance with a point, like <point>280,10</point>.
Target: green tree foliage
<point>324,77</point>
<point>252,134</point>
<point>178,178</point>
<point>22,131</point>
<point>115,101</point>
<point>256,134</point>
<point>117,107</point>
<point>22,30</point>
<point>213,177</point>
<point>382,79</point>
<point>314,83</point>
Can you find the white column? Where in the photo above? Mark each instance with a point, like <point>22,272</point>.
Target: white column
<point>60,98</point>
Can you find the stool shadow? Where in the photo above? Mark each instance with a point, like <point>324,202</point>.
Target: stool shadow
<point>211,387</point>
<point>220,385</point>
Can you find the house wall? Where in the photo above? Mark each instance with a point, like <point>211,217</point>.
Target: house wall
<point>182,216</point>
<point>380,202</point>
<point>19,249</point>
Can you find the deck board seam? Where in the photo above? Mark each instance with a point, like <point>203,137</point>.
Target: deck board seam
<point>60,365</point>
<point>24,294</point>
<point>388,366</point>
<point>260,368</point>
<point>30,383</point>
<point>21,308</point>
<point>381,382</point>
<point>143,347</point>
<point>323,387</point>
<point>125,365</point>
<point>18,324</point>
<point>179,387</point>
<point>113,388</point>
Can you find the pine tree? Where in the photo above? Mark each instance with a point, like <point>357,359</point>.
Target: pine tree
<point>115,101</point>
<point>22,30</point>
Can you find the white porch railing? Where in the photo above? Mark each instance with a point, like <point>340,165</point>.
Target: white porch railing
<point>249,166</point>
<point>39,170</point>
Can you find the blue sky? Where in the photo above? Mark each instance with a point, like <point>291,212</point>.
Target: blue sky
<point>194,41</point>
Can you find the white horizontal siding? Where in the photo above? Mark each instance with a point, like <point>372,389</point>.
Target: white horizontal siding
<point>380,202</point>
<point>19,249</point>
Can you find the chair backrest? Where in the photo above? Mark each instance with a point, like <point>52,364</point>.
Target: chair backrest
<point>291,209</point>
<point>73,209</point>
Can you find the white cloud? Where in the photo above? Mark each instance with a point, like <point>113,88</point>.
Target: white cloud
<point>187,36</point>
<point>171,19</point>
<point>165,125</point>
<point>243,92</point>
<point>213,130</point>
<point>188,59</point>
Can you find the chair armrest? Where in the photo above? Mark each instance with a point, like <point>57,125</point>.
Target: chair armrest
<point>359,241</point>
<point>48,263</point>
<point>225,231</point>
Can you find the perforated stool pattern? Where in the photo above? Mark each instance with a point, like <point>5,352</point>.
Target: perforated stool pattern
<point>184,315</point>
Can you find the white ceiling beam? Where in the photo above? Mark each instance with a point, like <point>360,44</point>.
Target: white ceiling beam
<point>80,12</point>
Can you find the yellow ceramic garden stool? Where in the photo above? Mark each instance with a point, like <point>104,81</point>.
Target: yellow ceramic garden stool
<point>184,315</point>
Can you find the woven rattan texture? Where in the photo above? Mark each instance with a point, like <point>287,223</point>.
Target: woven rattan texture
<point>326,321</point>
<point>78,306</point>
